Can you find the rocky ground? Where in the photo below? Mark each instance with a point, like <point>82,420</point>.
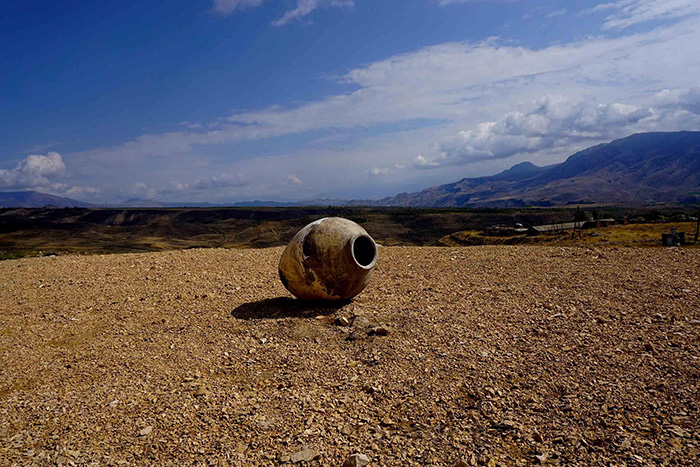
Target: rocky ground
<point>492,356</point>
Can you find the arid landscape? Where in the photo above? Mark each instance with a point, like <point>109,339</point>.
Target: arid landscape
<point>514,279</point>
<point>492,355</point>
<point>26,232</point>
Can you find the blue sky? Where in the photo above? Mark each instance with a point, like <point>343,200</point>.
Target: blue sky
<point>230,100</point>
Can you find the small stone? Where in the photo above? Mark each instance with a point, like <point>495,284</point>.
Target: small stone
<point>648,347</point>
<point>356,460</point>
<point>200,391</point>
<point>537,437</point>
<point>505,425</point>
<point>360,321</point>
<point>695,322</point>
<point>386,421</point>
<point>113,404</point>
<point>678,431</point>
<point>352,337</point>
<point>461,463</point>
<point>676,444</point>
<point>541,458</point>
<point>378,331</point>
<point>305,455</point>
<point>146,431</point>
<point>342,321</point>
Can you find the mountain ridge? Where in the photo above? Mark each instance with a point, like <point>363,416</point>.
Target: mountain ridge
<point>641,168</point>
<point>36,199</point>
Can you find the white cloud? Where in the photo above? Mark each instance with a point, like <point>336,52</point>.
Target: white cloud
<point>33,172</point>
<point>686,100</point>
<point>226,7</point>
<point>628,13</point>
<point>454,2</point>
<point>556,13</point>
<point>376,171</point>
<point>552,122</point>
<point>293,179</point>
<point>216,182</point>
<point>302,9</point>
<point>82,191</point>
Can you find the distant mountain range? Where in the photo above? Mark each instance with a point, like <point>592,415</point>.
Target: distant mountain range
<point>642,168</point>
<point>34,199</point>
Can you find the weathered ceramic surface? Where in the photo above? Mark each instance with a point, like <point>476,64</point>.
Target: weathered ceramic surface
<point>329,259</point>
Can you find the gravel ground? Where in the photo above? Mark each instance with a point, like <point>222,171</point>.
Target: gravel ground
<point>494,356</point>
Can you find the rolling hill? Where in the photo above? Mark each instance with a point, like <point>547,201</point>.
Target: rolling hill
<point>642,168</point>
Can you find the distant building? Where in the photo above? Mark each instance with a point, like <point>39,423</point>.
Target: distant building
<point>565,226</point>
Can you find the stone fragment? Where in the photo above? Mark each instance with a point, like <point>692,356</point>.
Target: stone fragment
<point>342,321</point>
<point>678,431</point>
<point>360,321</point>
<point>305,455</point>
<point>505,425</point>
<point>378,331</point>
<point>146,431</point>
<point>356,460</point>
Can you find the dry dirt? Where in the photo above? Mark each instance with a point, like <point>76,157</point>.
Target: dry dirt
<point>495,355</point>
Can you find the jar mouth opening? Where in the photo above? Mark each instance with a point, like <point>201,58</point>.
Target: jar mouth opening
<point>364,251</point>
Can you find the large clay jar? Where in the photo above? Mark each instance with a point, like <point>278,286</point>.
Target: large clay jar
<point>330,259</point>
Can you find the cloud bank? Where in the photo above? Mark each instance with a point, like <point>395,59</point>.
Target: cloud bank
<point>553,122</point>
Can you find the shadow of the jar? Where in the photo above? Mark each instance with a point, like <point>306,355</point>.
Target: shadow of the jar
<point>286,307</point>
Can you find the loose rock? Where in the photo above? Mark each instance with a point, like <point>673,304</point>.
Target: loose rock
<point>356,460</point>
<point>359,321</point>
<point>342,321</point>
<point>305,455</point>
<point>378,331</point>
